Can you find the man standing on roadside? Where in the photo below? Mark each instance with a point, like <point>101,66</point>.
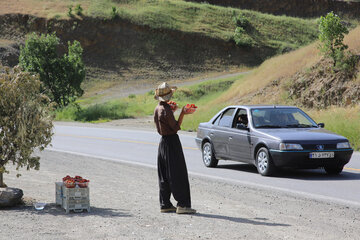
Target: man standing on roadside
<point>172,171</point>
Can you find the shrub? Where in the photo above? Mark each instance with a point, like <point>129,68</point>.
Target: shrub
<point>114,13</point>
<point>101,111</point>
<point>69,13</point>
<point>242,39</point>
<point>24,119</point>
<point>61,75</point>
<point>79,10</point>
<point>241,21</point>
<point>240,36</point>
<point>346,61</point>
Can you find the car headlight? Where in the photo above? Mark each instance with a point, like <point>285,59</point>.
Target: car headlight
<point>290,146</point>
<point>343,145</point>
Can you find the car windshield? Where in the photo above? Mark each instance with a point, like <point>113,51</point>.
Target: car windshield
<point>281,118</point>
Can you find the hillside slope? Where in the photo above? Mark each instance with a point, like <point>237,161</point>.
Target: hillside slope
<point>328,97</point>
<point>272,81</point>
<point>152,41</point>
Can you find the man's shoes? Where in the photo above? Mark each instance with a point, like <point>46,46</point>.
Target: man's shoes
<point>171,209</point>
<point>185,210</point>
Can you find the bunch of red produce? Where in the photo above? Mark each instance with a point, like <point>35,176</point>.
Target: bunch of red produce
<point>190,108</point>
<point>173,105</point>
<point>71,182</point>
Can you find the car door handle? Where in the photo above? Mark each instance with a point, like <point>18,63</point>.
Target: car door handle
<point>230,138</point>
<point>211,134</point>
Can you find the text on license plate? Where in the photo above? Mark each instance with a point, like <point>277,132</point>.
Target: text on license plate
<point>322,155</point>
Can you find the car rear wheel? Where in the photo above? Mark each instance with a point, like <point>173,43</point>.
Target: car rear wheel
<point>264,162</point>
<point>208,155</point>
<point>334,170</point>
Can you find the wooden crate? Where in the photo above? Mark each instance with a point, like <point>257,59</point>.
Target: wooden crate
<point>75,199</point>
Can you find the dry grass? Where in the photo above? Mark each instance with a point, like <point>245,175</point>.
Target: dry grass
<point>353,40</point>
<point>280,69</point>
<point>277,68</point>
<point>40,8</point>
<point>344,121</point>
<point>5,42</point>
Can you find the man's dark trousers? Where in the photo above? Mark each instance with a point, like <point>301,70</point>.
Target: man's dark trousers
<point>172,172</point>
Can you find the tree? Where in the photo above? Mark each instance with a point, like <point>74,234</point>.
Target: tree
<point>331,36</point>
<point>25,123</point>
<point>61,75</point>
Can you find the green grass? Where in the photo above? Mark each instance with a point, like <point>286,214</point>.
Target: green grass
<point>343,121</point>
<point>143,105</point>
<point>214,21</point>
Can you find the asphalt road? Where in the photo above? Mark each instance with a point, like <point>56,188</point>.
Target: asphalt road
<point>140,147</point>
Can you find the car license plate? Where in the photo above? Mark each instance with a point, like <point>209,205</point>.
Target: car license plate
<point>322,155</point>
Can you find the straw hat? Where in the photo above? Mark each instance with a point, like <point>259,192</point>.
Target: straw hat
<point>164,92</point>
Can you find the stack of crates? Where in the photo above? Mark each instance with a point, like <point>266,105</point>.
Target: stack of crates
<point>76,199</point>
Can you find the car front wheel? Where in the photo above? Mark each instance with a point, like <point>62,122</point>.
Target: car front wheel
<point>334,170</point>
<point>208,155</point>
<point>264,162</point>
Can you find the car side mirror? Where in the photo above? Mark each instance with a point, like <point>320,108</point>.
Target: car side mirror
<point>241,127</point>
<point>321,125</point>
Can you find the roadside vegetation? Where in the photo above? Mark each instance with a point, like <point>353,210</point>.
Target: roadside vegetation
<point>261,30</point>
<point>61,75</point>
<point>143,105</point>
<point>344,121</point>
<point>269,83</point>
<point>25,121</point>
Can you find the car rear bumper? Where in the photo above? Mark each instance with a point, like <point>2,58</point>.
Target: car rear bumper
<point>301,159</point>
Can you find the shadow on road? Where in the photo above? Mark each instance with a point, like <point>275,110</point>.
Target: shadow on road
<point>317,175</point>
<point>242,220</point>
<point>301,174</point>
<point>240,167</point>
<point>56,210</point>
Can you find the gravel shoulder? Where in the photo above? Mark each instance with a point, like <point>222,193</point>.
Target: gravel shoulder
<point>124,205</point>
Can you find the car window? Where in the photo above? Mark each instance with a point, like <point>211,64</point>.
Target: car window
<point>227,118</point>
<point>216,121</point>
<point>241,118</point>
<point>281,118</point>
<point>300,118</point>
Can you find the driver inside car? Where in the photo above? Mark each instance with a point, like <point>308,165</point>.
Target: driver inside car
<point>242,121</point>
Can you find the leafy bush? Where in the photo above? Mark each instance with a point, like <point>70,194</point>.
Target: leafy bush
<point>132,96</point>
<point>79,10</point>
<point>241,21</point>
<point>69,13</point>
<point>114,13</point>
<point>346,61</point>
<point>61,75</point>
<point>240,36</point>
<point>242,39</point>
<point>24,119</point>
<point>101,111</point>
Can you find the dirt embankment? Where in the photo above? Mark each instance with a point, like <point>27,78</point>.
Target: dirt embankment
<point>322,86</point>
<point>319,87</point>
<point>120,51</point>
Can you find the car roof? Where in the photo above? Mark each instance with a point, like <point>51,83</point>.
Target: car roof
<point>261,106</point>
